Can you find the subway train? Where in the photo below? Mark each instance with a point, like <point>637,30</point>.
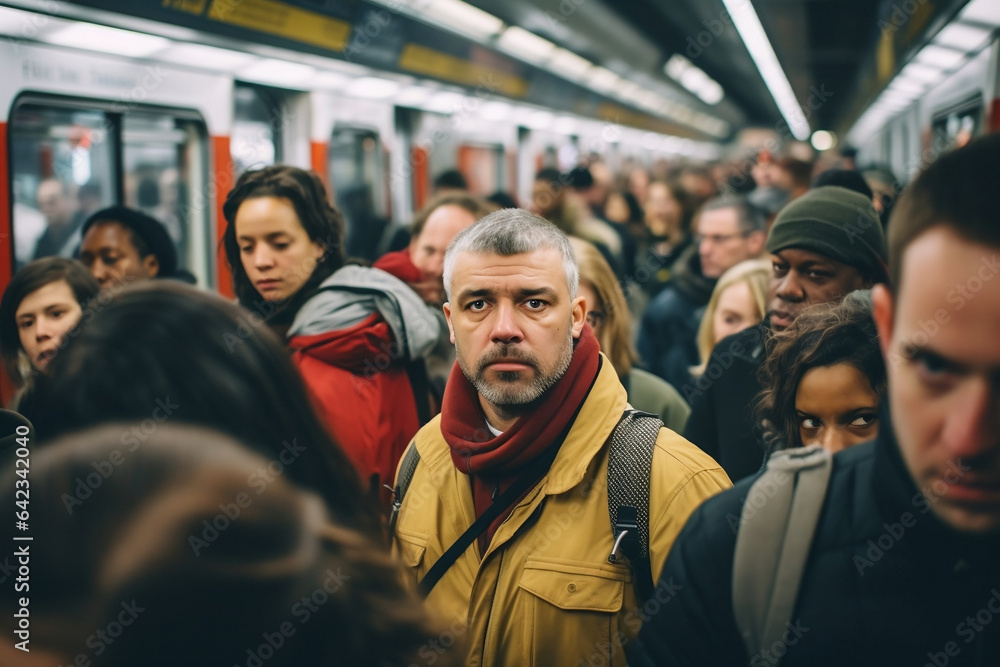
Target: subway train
<point>164,124</point>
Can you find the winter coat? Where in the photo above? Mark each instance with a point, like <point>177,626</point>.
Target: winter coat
<point>723,421</point>
<point>668,334</point>
<point>648,393</point>
<point>886,582</point>
<point>544,592</point>
<point>353,342</point>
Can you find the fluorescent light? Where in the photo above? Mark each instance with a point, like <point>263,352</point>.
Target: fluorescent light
<point>107,40</point>
<point>961,36</point>
<point>676,66</point>
<point>921,72</point>
<point>752,32</point>
<point>565,125</point>
<point>413,96</point>
<point>372,88</point>
<point>538,120</point>
<point>711,92</point>
<point>569,65</point>
<point>907,85</point>
<point>982,11</point>
<point>939,56</point>
<point>445,102</point>
<point>525,45</point>
<point>331,80</point>
<point>463,17</point>
<point>199,55</point>
<point>279,72</point>
<point>602,80</point>
<point>496,111</point>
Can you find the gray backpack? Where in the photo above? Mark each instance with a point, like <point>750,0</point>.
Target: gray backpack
<point>776,530</point>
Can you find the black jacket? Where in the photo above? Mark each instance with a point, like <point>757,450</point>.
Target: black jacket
<point>886,582</point>
<point>667,337</point>
<point>723,421</point>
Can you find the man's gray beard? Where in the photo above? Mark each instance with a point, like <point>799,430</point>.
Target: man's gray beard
<point>509,395</point>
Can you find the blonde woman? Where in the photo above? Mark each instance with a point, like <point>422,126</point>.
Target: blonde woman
<point>738,301</point>
<point>609,316</point>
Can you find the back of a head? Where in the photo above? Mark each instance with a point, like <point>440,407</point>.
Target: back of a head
<point>956,191</point>
<point>450,179</point>
<point>580,178</point>
<point>845,178</point>
<point>172,544</point>
<point>197,359</point>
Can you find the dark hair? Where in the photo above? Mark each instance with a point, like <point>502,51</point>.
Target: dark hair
<point>198,359</point>
<point>321,221</point>
<point>173,537</point>
<point>550,175</point>
<point>502,199</point>
<point>474,205</point>
<point>799,170</point>
<point>451,178</point>
<point>955,191</point>
<point>580,178</point>
<point>635,213</point>
<point>822,335</point>
<point>751,218</point>
<point>148,235</point>
<point>34,276</point>
<point>845,178</point>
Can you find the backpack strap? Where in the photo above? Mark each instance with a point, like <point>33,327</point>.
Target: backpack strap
<point>630,461</point>
<point>406,469</point>
<point>776,530</point>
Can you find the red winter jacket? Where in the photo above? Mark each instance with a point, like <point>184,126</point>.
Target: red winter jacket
<point>351,343</point>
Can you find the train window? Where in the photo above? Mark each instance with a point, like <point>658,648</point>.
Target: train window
<point>62,167</point>
<point>70,158</point>
<point>163,166</point>
<point>957,126</point>
<point>483,168</point>
<point>355,162</point>
<point>257,121</point>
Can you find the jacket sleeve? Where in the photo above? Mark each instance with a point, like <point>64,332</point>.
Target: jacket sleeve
<point>691,623</point>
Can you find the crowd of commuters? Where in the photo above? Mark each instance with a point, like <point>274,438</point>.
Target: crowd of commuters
<point>509,435</point>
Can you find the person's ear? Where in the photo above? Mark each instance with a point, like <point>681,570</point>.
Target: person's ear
<point>882,312</point>
<point>447,316</point>
<point>579,315</point>
<point>151,264</point>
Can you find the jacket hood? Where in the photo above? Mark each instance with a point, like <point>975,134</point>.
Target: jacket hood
<point>689,279</point>
<point>353,294</point>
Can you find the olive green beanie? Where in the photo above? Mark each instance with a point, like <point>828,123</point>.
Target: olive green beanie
<point>835,222</point>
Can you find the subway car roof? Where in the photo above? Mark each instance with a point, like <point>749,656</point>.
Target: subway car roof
<point>696,69</point>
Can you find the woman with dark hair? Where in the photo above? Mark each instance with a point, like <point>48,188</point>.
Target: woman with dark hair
<point>668,212</point>
<point>199,359</point>
<point>40,307</point>
<point>824,378</point>
<point>357,334</point>
<point>174,561</point>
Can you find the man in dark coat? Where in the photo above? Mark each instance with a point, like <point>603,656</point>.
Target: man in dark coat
<point>823,246</point>
<point>729,230</point>
<point>904,568</point>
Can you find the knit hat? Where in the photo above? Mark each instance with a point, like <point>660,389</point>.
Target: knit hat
<point>148,229</point>
<point>837,223</point>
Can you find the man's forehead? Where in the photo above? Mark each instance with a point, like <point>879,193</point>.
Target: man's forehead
<point>719,216</point>
<point>542,264</point>
<point>447,218</point>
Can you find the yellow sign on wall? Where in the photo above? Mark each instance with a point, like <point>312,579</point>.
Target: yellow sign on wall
<point>422,60</point>
<point>277,18</point>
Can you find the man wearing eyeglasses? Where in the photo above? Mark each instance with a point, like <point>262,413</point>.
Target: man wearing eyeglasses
<point>728,230</point>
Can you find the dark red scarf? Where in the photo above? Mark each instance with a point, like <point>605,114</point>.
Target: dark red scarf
<point>493,462</point>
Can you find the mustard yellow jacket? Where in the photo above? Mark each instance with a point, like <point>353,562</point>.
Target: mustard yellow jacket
<point>544,592</point>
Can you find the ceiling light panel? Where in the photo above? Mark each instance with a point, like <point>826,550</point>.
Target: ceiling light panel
<point>525,45</point>
<point>463,17</point>
<point>280,72</point>
<point>107,40</point>
<point>210,57</point>
<point>372,88</point>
